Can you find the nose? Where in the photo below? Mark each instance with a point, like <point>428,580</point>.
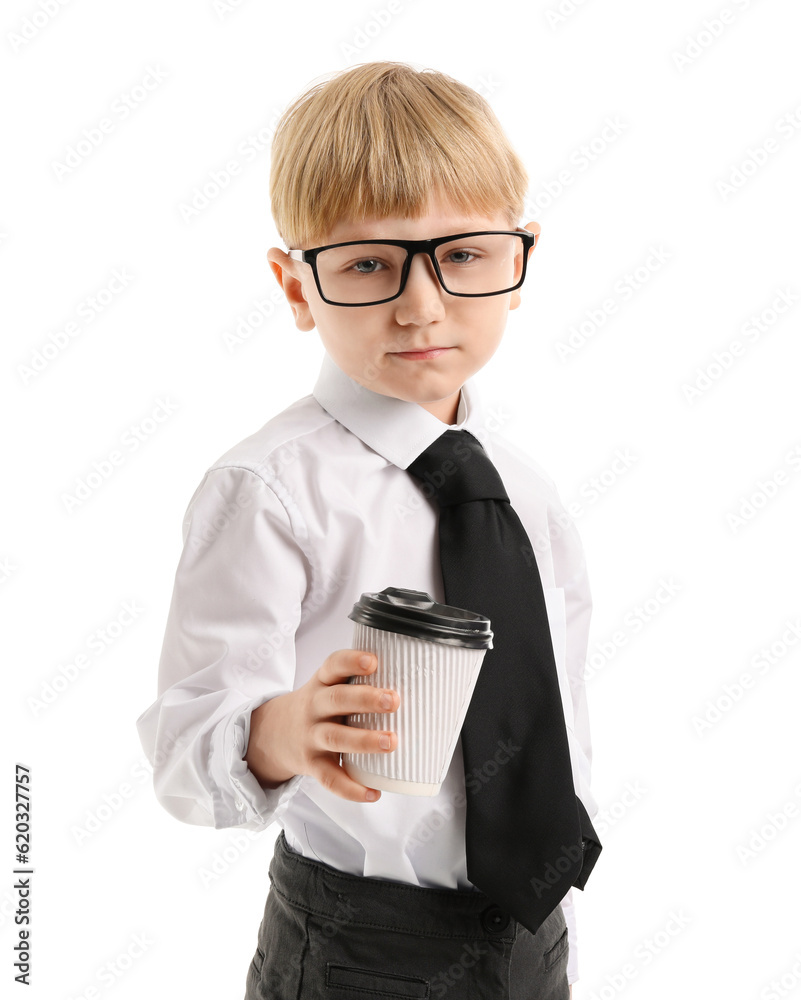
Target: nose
<point>421,300</point>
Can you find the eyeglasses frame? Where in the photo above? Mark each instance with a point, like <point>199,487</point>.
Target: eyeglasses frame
<point>413,247</point>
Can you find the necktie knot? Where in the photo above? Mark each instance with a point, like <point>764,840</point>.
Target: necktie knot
<point>457,470</point>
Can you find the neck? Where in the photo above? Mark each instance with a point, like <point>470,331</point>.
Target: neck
<point>444,409</point>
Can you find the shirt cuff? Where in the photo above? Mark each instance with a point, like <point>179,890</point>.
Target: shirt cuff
<point>239,799</point>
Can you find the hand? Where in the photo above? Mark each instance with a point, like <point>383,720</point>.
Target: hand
<point>304,731</point>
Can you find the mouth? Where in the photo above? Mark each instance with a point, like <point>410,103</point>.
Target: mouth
<point>422,354</point>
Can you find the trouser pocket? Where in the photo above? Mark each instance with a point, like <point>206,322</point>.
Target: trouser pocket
<point>350,961</point>
<point>381,984</point>
<point>277,965</point>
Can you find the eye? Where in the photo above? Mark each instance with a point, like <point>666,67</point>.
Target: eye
<point>461,257</point>
<point>367,266</point>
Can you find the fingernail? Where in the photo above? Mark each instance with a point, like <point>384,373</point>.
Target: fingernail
<point>365,661</point>
<point>383,741</point>
<point>370,795</point>
<point>386,700</point>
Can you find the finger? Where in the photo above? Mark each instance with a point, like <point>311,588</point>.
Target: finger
<point>335,779</point>
<point>336,738</point>
<point>349,699</point>
<point>345,663</point>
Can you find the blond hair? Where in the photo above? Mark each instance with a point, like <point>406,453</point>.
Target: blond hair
<point>378,139</point>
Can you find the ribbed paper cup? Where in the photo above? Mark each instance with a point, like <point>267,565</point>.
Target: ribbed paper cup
<point>435,679</point>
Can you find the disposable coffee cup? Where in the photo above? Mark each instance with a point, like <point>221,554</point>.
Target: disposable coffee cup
<point>431,654</point>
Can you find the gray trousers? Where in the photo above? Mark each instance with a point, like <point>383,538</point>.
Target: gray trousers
<point>328,934</point>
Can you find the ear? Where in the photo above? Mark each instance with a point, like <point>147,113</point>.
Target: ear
<point>286,271</point>
<point>532,227</point>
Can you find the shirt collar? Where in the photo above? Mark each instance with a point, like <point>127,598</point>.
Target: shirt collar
<point>397,429</point>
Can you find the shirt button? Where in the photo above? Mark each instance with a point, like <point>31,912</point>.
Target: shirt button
<point>494,919</point>
<point>240,805</point>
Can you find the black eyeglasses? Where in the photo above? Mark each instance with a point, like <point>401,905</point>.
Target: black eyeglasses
<point>369,272</point>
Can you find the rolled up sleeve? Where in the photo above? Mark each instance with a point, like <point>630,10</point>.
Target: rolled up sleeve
<point>228,647</point>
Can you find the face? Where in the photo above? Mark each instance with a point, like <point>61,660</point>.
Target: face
<point>423,345</point>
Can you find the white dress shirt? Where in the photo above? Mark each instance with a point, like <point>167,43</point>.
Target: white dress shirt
<point>284,533</point>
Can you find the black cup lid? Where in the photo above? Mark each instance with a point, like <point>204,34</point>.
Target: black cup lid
<point>413,612</point>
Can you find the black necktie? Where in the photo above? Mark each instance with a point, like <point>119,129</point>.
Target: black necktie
<point>528,835</point>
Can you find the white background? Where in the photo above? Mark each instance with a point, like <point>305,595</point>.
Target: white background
<point>693,193</point>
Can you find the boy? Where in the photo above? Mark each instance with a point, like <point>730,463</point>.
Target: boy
<point>288,528</point>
